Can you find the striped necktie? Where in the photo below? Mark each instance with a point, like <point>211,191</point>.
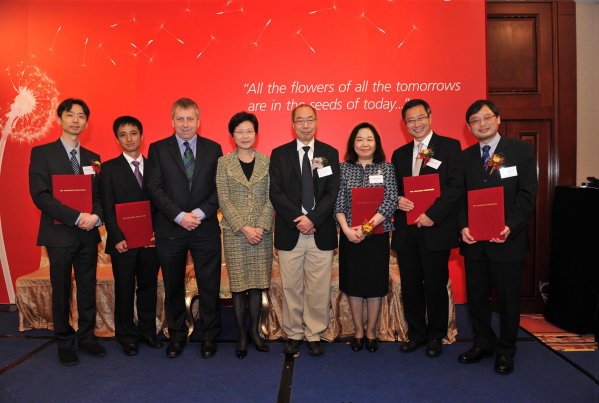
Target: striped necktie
<point>74,162</point>
<point>486,157</point>
<point>189,162</point>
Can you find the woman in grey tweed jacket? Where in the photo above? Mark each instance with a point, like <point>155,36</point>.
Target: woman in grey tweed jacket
<point>242,182</point>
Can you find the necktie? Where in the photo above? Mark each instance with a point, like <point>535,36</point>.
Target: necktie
<point>307,186</point>
<point>189,162</point>
<point>486,158</point>
<point>74,162</point>
<point>418,161</point>
<point>137,172</point>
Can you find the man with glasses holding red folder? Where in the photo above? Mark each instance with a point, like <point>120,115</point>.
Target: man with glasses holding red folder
<point>499,260</point>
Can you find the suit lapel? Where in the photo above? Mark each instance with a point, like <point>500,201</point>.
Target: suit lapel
<point>200,157</point>
<point>173,148</point>
<point>143,179</point>
<point>434,144</point>
<point>476,159</point>
<point>234,169</point>
<point>127,172</point>
<point>318,152</point>
<point>86,158</point>
<point>294,157</point>
<point>407,158</point>
<point>61,153</point>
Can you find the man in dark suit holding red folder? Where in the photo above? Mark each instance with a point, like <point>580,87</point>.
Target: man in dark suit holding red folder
<point>423,247</point>
<point>123,181</point>
<point>182,183</point>
<point>500,260</point>
<point>73,244</point>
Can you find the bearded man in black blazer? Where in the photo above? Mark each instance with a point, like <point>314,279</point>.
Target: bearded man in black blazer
<point>123,181</point>
<point>501,260</point>
<point>182,183</point>
<point>73,244</point>
<point>423,248</point>
<point>304,183</point>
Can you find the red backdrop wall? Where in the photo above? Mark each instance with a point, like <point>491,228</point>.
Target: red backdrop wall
<point>355,60</point>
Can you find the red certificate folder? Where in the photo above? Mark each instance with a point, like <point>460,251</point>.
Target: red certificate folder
<point>74,191</point>
<point>421,190</point>
<point>135,220</point>
<point>364,202</point>
<point>485,213</point>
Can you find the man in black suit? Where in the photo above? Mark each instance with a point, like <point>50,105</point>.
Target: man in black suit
<point>304,182</point>
<point>73,244</point>
<point>499,261</point>
<point>182,184</point>
<point>123,181</point>
<point>423,247</point>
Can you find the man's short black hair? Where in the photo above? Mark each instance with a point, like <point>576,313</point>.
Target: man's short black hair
<point>350,154</point>
<point>67,105</point>
<point>478,105</point>
<point>302,105</point>
<point>412,103</point>
<point>126,120</point>
<point>241,117</point>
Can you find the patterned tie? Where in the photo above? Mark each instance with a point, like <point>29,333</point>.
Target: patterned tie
<point>486,158</point>
<point>74,162</point>
<point>307,186</point>
<point>418,162</point>
<point>137,172</point>
<point>189,162</point>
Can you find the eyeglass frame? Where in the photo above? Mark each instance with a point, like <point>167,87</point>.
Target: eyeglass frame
<point>420,120</point>
<point>486,119</point>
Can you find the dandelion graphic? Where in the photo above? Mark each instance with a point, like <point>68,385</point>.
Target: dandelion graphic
<point>28,118</point>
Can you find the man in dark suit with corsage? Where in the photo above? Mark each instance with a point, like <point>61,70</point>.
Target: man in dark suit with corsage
<point>423,248</point>
<point>182,183</point>
<point>72,244</point>
<point>304,182</point>
<point>499,261</point>
<point>135,270</point>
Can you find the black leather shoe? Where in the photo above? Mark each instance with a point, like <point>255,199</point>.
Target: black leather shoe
<point>410,346</point>
<point>315,348</point>
<point>208,348</point>
<point>357,343</point>
<point>130,349</point>
<point>241,353</point>
<point>153,342</point>
<point>504,364</point>
<point>434,348</point>
<point>68,356</point>
<point>175,349</point>
<point>94,349</point>
<point>372,345</point>
<point>263,348</point>
<point>474,355</point>
<point>292,346</point>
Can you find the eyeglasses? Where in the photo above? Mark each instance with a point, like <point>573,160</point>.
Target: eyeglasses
<point>477,121</point>
<point>300,122</point>
<point>248,131</point>
<point>419,120</point>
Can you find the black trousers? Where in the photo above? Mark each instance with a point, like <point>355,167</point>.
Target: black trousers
<point>507,279</point>
<point>424,275</point>
<point>83,260</point>
<point>206,254</point>
<point>139,265</point>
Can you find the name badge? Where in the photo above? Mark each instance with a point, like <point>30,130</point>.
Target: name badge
<point>376,179</point>
<point>89,170</point>
<point>326,171</point>
<point>433,163</point>
<point>508,172</point>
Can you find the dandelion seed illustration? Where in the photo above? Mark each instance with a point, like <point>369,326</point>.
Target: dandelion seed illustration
<point>256,43</point>
<point>162,27</point>
<point>366,18</point>
<point>84,48</point>
<point>187,9</point>
<point>142,50</point>
<point>299,32</point>
<point>240,9</point>
<point>104,50</point>
<point>27,119</point>
<point>324,9</point>
<point>211,39</point>
<point>413,28</point>
<point>119,23</point>
<point>51,47</point>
